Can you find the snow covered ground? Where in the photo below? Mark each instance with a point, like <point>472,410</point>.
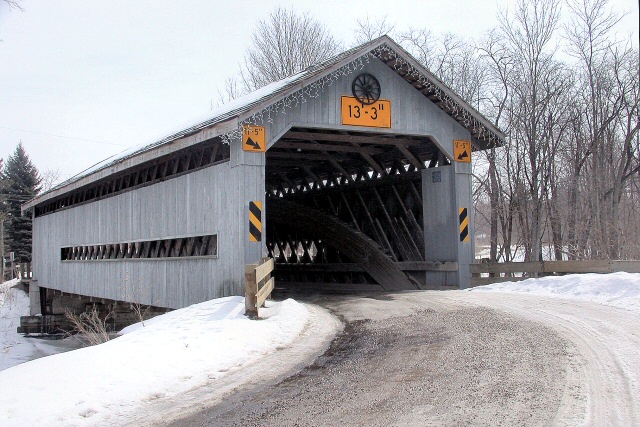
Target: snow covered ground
<point>615,289</point>
<point>200,345</point>
<point>14,347</point>
<point>598,315</point>
<point>171,354</point>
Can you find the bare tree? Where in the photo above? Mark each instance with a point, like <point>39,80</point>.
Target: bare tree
<point>499,64</point>
<point>368,28</point>
<point>49,178</point>
<point>13,4</point>
<point>232,89</point>
<point>602,155</point>
<point>284,44</point>
<point>537,81</point>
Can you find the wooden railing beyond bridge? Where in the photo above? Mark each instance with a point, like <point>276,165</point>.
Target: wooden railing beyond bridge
<point>514,271</point>
<point>20,271</point>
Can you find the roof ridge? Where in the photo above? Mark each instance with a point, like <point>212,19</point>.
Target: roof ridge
<point>277,96</point>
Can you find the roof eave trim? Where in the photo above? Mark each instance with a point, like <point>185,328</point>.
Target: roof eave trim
<point>201,135</point>
<point>447,91</point>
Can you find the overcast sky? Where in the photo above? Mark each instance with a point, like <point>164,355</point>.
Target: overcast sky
<point>83,80</point>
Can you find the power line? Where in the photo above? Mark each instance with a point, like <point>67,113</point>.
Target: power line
<point>62,136</point>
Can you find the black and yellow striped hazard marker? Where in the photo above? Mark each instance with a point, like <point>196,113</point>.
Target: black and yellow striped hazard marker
<point>255,221</point>
<point>464,225</point>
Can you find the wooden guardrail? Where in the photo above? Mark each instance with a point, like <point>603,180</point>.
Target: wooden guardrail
<point>545,268</point>
<point>258,285</point>
<point>20,271</point>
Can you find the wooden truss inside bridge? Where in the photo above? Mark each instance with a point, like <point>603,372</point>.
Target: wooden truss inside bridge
<point>340,205</point>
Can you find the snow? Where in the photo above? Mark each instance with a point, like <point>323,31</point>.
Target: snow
<point>13,304</point>
<point>194,347</point>
<point>615,289</point>
<point>14,347</point>
<point>170,354</point>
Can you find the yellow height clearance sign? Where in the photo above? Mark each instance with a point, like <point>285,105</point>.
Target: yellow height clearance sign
<point>377,115</point>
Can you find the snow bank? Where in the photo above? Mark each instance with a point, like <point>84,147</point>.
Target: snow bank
<point>615,289</point>
<point>172,353</point>
<point>14,348</point>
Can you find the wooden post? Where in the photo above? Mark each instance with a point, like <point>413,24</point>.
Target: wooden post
<point>250,291</point>
<point>13,266</point>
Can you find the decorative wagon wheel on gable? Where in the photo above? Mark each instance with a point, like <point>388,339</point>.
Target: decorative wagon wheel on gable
<point>366,88</point>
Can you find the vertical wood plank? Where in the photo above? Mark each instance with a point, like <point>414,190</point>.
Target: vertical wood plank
<point>250,290</point>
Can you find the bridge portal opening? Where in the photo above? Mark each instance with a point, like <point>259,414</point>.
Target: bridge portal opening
<point>345,209</point>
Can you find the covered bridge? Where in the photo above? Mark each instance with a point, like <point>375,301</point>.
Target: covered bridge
<point>354,174</point>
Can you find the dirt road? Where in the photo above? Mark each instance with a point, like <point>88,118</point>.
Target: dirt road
<point>603,384</point>
<point>455,358</point>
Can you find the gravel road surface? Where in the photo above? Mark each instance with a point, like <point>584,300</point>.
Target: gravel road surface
<point>603,384</point>
<point>269,369</point>
<point>455,358</point>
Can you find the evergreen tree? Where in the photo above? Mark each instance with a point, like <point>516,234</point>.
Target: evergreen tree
<point>3,210</point>
<point>21,183</point>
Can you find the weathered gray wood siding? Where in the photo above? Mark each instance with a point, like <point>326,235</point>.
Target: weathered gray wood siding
<point>203,202</point>
<point>213,200</point>
<point>411,112</point>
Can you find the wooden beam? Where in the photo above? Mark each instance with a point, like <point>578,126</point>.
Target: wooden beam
<point>285,178</point>
<point>418,233</point>
<point>324,147</point>
<point>381,240</point>
<point>333,161</point>
<point>371,161</point>
<point>411,241</point>
<point>315,178</point>
<point>410,157</point>
<point>428,266</point>
<point>338,166</point>
<point>298,155</point>
<point>380,229</point>
<point>276,163</point>
<point>332,287</point>
<point>264,269</point>
<point>264,292</point>
<point>359,139</point>
<point>355,268</point>
<point>399,242</point>
<point>321,267</point>
<point>214,152</point>
<point>348,206</point>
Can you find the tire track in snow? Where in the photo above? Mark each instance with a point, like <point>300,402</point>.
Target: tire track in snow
<point>607,342</point>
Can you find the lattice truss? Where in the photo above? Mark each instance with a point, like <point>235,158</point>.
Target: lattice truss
<point>306,160</point>
<point>387,210</point>
<point>151,172</point>
<point>177,247</point>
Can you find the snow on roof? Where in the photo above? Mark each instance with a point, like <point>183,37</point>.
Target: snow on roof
<point>271,93</point>
<point>212,117</point>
